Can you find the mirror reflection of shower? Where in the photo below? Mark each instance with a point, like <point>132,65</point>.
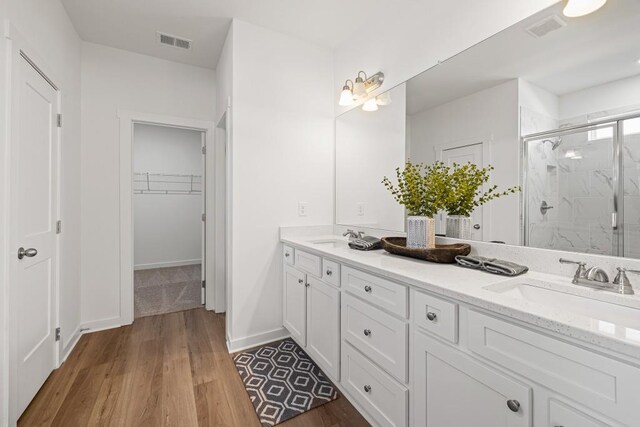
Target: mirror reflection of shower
<point>555,142</point>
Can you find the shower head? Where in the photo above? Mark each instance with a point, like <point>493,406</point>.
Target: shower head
<point>555,142</point>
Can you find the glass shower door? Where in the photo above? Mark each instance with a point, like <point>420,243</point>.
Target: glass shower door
<point>630,220</point>
<point>570,190</point>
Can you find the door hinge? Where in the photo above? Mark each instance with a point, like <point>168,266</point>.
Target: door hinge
<point>59,226</point>
<point>204,149</point>
<point>58,334</point>
<point>204,284</point>
<point>204,217</point>
<point>59,120</point>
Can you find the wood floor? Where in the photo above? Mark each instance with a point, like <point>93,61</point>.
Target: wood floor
<point>166,370</point>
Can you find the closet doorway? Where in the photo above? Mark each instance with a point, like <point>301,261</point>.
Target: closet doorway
<point>168,219</point>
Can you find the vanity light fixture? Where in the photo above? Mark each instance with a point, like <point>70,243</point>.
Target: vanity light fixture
<point>576,8</point>
<point>384,99</point>
<point>361,88</point>
<point>346,97</point>
<point>370,105</point>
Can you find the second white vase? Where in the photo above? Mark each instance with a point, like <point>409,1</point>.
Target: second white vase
<point>421,232</point>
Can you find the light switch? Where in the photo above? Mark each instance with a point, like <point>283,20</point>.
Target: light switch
<point>302,208</point>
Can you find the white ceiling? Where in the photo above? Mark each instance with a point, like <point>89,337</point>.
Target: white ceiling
<point>589,51</point>
<point>132,24</point>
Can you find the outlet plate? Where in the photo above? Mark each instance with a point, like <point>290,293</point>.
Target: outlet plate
<point>360,209</point>
<point>303,207</point>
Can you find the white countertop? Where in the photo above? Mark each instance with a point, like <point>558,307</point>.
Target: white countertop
<point>620,333</point>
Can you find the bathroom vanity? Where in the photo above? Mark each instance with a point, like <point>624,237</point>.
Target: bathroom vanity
<point>412,343</point>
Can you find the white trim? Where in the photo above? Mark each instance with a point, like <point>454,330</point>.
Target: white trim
<point>241,344</point>
<point>127,121</point>
<point>167,264</point>
<point>67,349</point>
<point>100,325</point>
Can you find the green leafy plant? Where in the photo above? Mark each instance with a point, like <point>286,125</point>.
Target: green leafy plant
<point>466,189</point>
<point>421,189</point>
<point>426,189</point>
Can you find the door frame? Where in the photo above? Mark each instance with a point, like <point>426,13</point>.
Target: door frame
<point>127,121</point>
<point>486,159</point>
<point>19,49</point>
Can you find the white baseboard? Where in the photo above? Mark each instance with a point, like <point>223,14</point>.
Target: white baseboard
<point>240,344</point>
<point>101,325</point>
<point>66,350</point>
<point>167,264</point>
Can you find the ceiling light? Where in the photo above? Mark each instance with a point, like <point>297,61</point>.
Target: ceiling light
<point>359,90</point>
<point>370,105</point>
<point>384,98</point>
<point>576,8</point>
<point>346,97</point>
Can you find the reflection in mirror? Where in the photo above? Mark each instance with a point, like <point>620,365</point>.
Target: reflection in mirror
<point>553,103</point>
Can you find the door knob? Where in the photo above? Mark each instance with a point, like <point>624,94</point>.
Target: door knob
<point>476,226</point>
<point>514,405</point>
<point>31,252</point>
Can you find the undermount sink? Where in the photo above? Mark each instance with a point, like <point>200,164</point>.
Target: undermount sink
<point>561,299</point>
<point>332,243</point>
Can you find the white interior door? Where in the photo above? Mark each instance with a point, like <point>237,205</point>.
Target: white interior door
<point>463,155</point>
<point>203,232</point>
<point>34,154</point>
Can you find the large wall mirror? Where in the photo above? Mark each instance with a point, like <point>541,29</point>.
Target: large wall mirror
<point>553,103</point>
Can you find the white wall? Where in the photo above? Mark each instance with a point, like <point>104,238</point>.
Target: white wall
<point>282,154</point>
<point>114,79</point>
<point>491,117</point>
<point>612,96</point>
<point>48,30</point>
<point>369,146</point>
<point>415,36</point>
<point>167,227</point>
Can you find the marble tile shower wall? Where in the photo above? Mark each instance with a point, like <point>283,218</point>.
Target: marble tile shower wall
<point>577,180</point>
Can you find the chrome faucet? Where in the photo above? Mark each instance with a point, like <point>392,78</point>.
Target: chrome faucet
<point>352,234</point>
<point>597,278</point>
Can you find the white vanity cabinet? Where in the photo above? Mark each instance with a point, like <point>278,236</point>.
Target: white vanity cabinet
<point>311,310</point>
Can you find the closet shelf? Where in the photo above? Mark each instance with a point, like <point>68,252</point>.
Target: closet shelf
<point>164,183</point>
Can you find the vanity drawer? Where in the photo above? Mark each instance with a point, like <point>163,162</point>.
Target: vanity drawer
<point>436,315</point>
<point>373,389</point>
<point>561,415</point>
<point>606,385</point>
<point>382,337</point>
<point>331,272</point>
<point>384,293</point>
<point>309,263</point>
<point>288,254</point>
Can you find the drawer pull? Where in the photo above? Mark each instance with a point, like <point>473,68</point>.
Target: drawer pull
<point>514,405</point>
<point>367,332</point>
<point>307,285</point>
<point>301,281</point>
<point>431,316</point>
<point>367,289</point>
<point>367,388</point>
<point>329,272</point>
<point>287,255</point>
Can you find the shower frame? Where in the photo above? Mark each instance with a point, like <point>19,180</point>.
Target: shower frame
<point>617,214</point>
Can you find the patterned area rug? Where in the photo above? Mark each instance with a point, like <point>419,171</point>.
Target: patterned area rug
<point>282,381</point>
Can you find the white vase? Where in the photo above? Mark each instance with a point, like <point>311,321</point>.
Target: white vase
<point>421,232</point>
<point>459,227</point>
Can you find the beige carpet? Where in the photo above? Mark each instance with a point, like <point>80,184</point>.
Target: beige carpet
<point>165,290</point>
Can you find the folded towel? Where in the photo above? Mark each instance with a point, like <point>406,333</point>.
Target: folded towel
<point>491,265</point>
<point>365,243</point>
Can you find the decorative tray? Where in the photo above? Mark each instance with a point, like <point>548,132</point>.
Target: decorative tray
<point>441,253</point>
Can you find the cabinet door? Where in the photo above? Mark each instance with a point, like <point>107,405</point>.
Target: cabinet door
<point>294,314</point>
<point>323,325</point>
<point>452,389</point>
<point>562,415</point>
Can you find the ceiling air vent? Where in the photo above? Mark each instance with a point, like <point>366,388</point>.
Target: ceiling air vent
<point>174,41</point>
<point>547,25</point>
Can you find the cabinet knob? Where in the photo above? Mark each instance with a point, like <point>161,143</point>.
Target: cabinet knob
<point>287,255</point>
<point>367,332</point>
<point>367,388</point>
<point>329,272</point>
<point>301,281</point>
<point>514,405</point>
<point>431,316</point>
<point>307,285</point>
<point>367,289</point>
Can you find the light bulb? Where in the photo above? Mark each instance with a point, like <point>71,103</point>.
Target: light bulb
<point>346,97</point>
<point>576,8</point>
<point>384,98</point>
<point>370,105</point>
<point>359,91</point>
